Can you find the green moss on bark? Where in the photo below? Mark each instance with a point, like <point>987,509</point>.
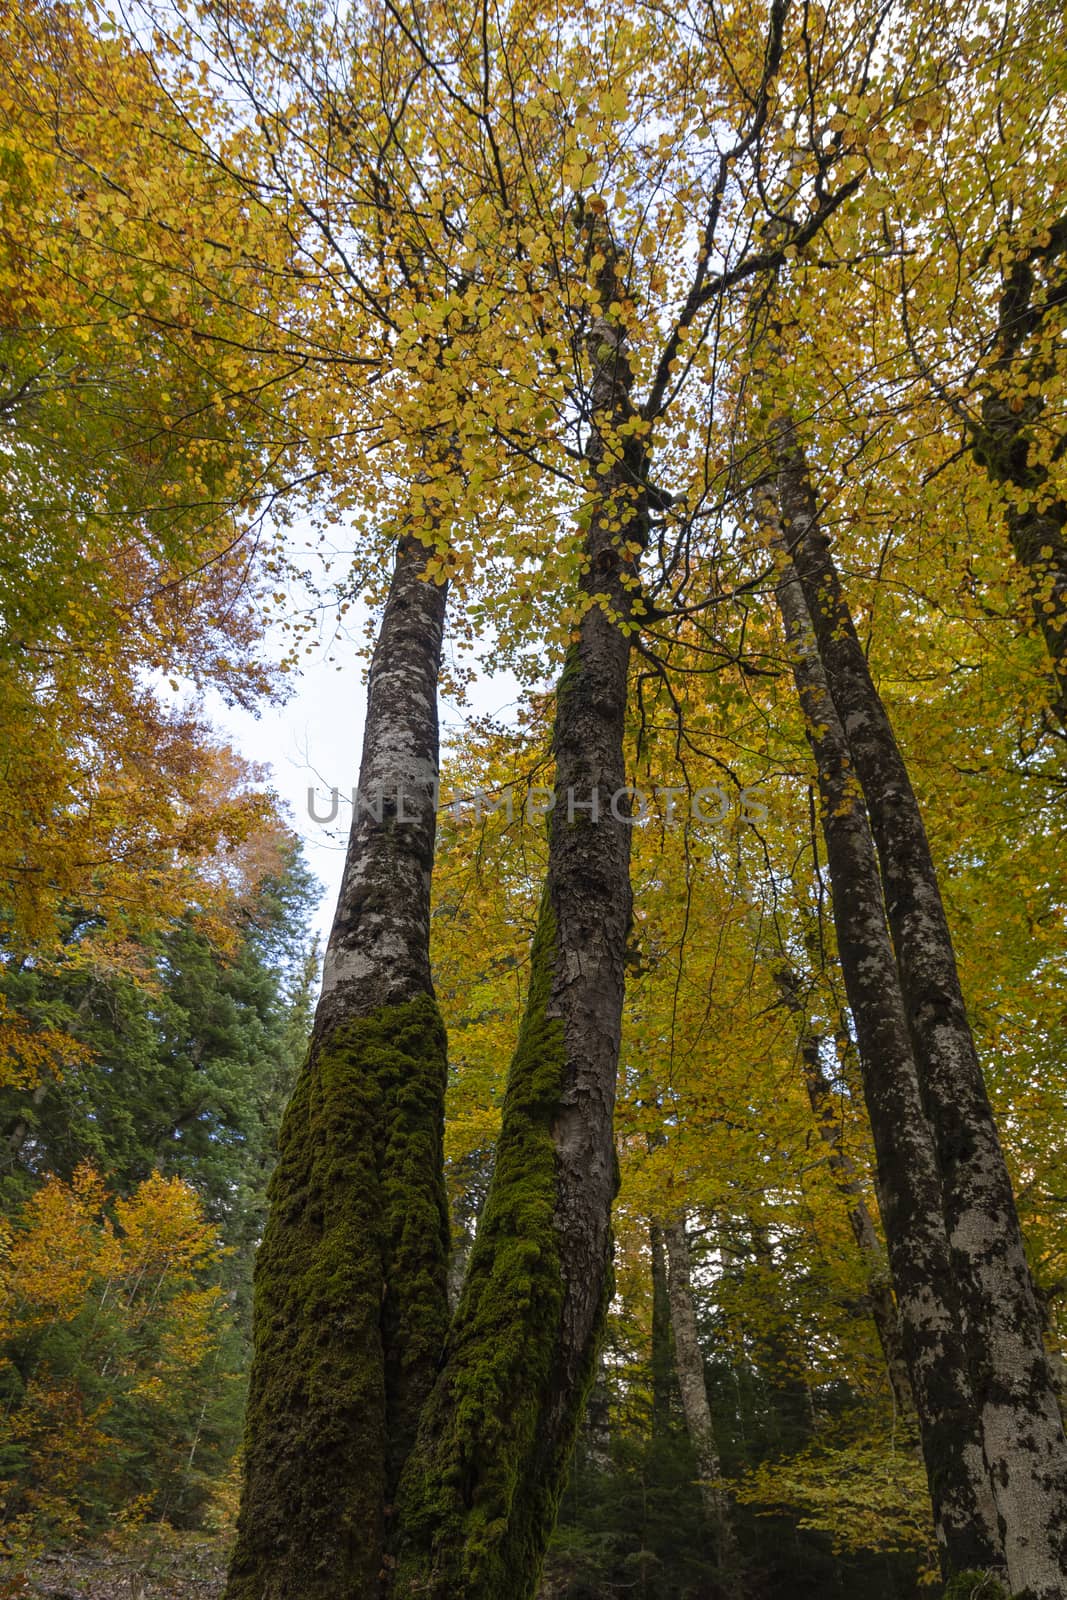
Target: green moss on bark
<point>477,1502</point>
<point>350,1307</point>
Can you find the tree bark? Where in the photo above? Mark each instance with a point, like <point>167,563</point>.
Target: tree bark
<point>479,1497</point>
<point>350,1280</point>
<point>908,1184</point>
<point>689,1366</point>
<point>849,1185</point>
<point>459,1256</point>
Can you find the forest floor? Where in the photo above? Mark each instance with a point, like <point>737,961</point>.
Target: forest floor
<point>192,1567</point>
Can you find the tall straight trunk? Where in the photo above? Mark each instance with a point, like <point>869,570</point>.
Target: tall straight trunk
<point>350,1280</point>
<point>1021,1425</point>
<point>849,1185</point>
<point>662,1353</point>
<point>1006,441</point>
<point>689,1366</point>
<point>792,1418</point>
<point>909,1192</point>
<point>478,1500</point>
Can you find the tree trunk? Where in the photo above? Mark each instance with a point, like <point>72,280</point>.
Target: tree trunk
<point>662,1353</point>
<point>908,1186</point>
<point>350,1280</point>
<point>849,1185</point>
<point>479,1497</point>
<point>1021,1424</point>
<point>1006,442</point>
<point>689,1366</point>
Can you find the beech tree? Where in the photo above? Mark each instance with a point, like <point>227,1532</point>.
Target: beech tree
<point>1022,1428</point>
<point>689,1363</point>
<point>909,1177</point>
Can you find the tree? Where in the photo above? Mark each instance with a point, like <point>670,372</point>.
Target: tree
<point>689,1363</point>
<point>137,457</point>
<point>351,1301</point>
<point>477,1498</point>
<point>181,1067</point>
<point>1022,1430</point>
<point>908,1172</point>
<point>1018,441</point>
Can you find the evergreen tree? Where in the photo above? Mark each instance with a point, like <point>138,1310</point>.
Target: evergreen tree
<point>183,1071</point>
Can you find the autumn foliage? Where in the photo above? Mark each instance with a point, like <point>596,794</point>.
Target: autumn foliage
<point>109,1328</point>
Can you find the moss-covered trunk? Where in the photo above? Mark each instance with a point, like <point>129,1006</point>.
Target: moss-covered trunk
<point>1022,1429</point>
<point>350,1298</point>
<point>479,1496</point>
<point>909,1192</point>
